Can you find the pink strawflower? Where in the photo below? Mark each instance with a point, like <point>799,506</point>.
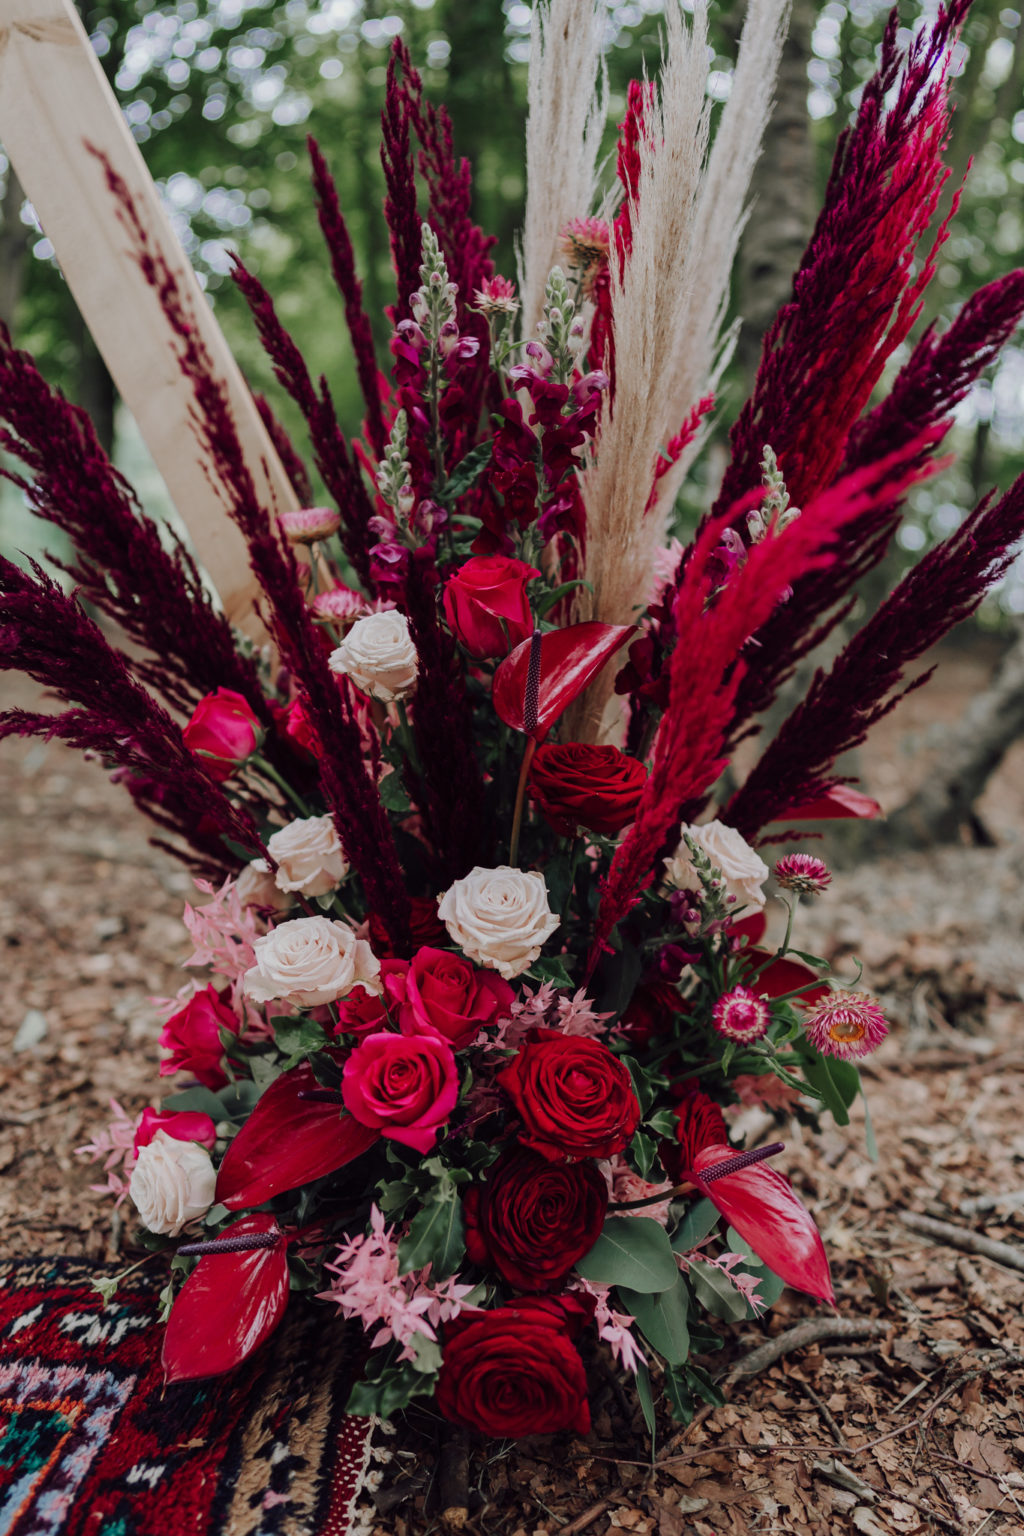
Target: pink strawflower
<point>584,245</point>
<point>846,1024</point>
<point>803,873</point>
<point>340,605</point>
<point>496,296</point>
<point>309,525</point>
<point>741,1015</point>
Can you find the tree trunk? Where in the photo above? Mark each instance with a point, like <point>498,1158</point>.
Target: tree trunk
<point>782,216</point>
<point>971,751</point>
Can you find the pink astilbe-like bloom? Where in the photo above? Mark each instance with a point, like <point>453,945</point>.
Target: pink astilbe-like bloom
<point>845,1024</point>
<point>741,1015</point>
<point>116,1145</point>
<point>726,1263</point>
<point>368,1286</point>
<point>803,873</point>
<point>575,1015</point>
<point>615,1328</point>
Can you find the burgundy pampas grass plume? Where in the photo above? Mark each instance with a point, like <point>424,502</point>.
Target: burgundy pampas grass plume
<point>400,210</point>
<point>864,682</point>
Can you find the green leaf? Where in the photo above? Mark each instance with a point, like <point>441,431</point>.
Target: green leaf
<point>551,968</point>
<point>544,605</point>
<point>642,1152</point>
<point>770,1286</point>
<point>298,1036</point>
<point>393,796</point>
<point>700,1219</point>
<point>818,961</point>
<point>645,1396</point>
<point>686,1385</point>
<point>663,1123</point>
<point>662,1319</point>
<point>643,1087</point>
<point>467,471</point>
<point>632,1251</point>
<point>237,1099</point>
<point>215,1215</point>
<point>106,1287</point>
<point>392,1386</point>
<point>837,1082</point>
<point>716,1293</point>
<point>264,1071</point>
<point>202,1101</point>
<point>436,1235</point>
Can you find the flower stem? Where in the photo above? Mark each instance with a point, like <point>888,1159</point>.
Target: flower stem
<point>268,771</point>
<point>667,1194</point>
<point>517,814</point>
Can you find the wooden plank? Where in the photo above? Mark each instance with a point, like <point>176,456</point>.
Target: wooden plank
<point>54,98</point>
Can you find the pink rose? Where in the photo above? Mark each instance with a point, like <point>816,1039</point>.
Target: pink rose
<point>193,1038</point>
<point>438,993</point>
<point>222,733</point>
<point>362,1012</point>
<point>181,1125</point>
<point>403,1086</point>
<point>486,606</point>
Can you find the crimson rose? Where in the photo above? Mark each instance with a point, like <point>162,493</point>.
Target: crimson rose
<point>533,1219</point>
<point>438,993</point>
<point>485,591</point>
<point>181,1125</point>
<point>515,1371</point>
<point>403,1086</point>
<point>574,1097</point>
<point>582,786</point>
<point>193,1038</point>
<point>222,733</point>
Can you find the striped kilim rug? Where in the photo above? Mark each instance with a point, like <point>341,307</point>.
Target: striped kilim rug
<point>91,1444</point>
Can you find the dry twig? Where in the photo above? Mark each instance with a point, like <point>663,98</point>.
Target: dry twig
<point>809,1332</point>
<point>964,1238</point>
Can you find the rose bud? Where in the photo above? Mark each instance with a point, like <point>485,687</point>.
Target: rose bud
<point>193,1038</point>
<point>222,733</point>
<point>532,1219</point>
<point>515,1371</point>
<point>583,786</point>
<point>180,1124</point>
<point>486,606</point>
<point>574,1097</point>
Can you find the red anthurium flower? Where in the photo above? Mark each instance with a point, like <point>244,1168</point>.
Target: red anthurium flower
<point>783,976</point>
<point>838,802</point>
<point>750,927</point>
<point>288,1141</point>
<point>761,1205</point>
<point>570,659</point>
<point>228,1305</point>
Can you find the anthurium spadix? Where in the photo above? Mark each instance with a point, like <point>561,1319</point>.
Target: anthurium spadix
<point>539,679</point>
<point>289,1140</point>
<point>762,1207</point>
<point>233,1300</point>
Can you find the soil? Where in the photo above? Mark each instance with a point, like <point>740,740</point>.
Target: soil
<point>914,1424</point>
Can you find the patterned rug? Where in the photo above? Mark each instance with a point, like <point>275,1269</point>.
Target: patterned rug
<point>91,1444</point>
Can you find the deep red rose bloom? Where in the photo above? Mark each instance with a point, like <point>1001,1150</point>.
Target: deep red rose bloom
<point>574,1097</point>
<point>515,1371</point>
<point>360,1013</point>
<point>403,1086</point>
<point>222,733</point>
<point>180,1124</point>
<point>650,1012</point>
<point>581,786</point>
<point>485,591</point>
<point>438,993</point>
<point>193,1038</point>
<point>700,1123</point>
<point>532,1219</point>
<point>424,924</point>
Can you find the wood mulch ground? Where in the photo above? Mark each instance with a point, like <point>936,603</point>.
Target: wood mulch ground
<point>915,1424</point>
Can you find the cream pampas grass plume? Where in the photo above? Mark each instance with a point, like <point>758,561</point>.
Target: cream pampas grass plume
<point>668,299</point>
<point>563,135</point>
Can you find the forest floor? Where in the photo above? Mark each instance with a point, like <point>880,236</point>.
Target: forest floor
<point>904,1415</point>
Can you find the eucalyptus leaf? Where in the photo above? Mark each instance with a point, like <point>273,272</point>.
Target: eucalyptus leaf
<point>436,1236</point>
<point>632,1251</point>
<point>551,968</point>
<point>201,1101</point>
<point>716,1293</point>
<point>699,1219</point>
<point>645,1395</point>
<point>662,1319</point>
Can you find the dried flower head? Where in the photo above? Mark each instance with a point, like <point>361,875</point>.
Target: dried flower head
<point>338,605</point>
<point>583,245</point>
<point>496,296</point>
<point>741,1015</point>
<point>846,1024</point>
<point>309,525</point>
<point>803,873</point>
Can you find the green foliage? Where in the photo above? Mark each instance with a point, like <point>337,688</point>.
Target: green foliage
<point>632,1251</point>
<point>662,1318</point>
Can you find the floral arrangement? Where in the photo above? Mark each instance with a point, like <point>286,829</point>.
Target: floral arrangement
<point>484,954</point>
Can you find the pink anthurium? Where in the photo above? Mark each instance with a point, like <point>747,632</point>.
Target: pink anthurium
<point>289,1140</point>
<point>762,1207</point>
<point>841,801</point>
<point>229,1304</point>
<point>783,976</point>
<point>530,697</point>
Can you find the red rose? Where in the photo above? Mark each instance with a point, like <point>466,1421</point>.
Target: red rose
<point>182,1125</point>
<point>486,606</point>
<point>424,925</point>
<point>403,1086</point>
<point>533,1219</point>
<point>699,1123</point>
<point>438,993</point>
<point>193,1038</point>
<point>360,1012</point>
<point>574,1097</point>
<point>222,733</point>
<point>651,1010</point>
<point>579,786</point>
<point>515,1371</point>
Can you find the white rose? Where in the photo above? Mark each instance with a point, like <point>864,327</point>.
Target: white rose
<point>308,856</point>
<point>499,917</point>
<point>379,656</point>
<point>172,1183</point>
<point>740,865</point>
<point>309,961</point>
<point>256,888</point>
